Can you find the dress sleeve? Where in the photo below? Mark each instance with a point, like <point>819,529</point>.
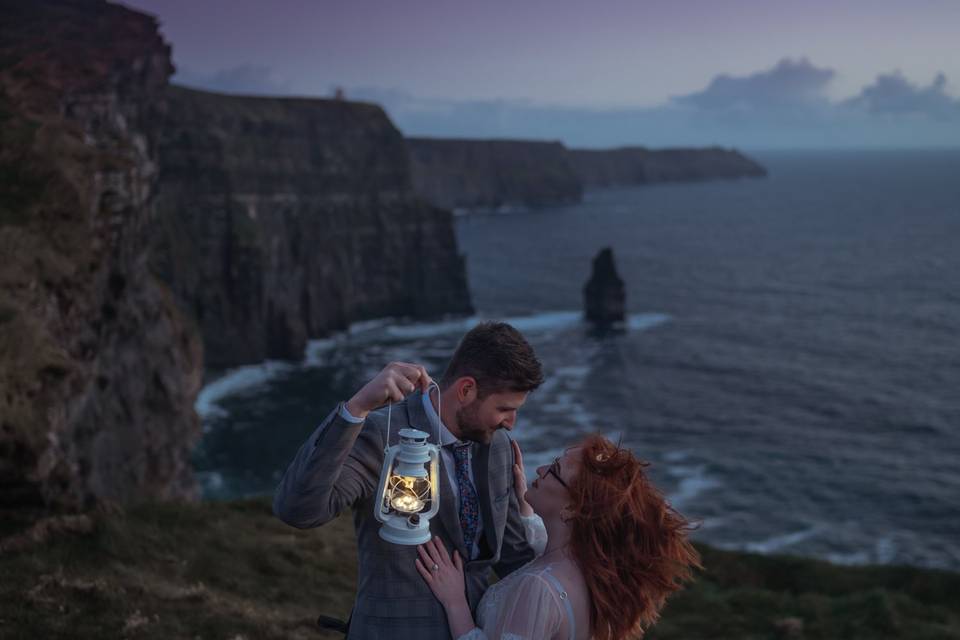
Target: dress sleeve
<point>530,611</point>
<point>536,533</point>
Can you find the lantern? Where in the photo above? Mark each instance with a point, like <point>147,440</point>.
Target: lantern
<point>408,492</point>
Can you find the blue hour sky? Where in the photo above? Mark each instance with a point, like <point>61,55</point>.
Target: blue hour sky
<point>761,74</point>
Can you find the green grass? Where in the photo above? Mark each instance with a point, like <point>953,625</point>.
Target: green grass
<point>751,596</point>
<point>228,570</point>
<point>213,570</point>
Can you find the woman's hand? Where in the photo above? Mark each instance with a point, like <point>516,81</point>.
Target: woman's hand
<point>445,579</point>
<point>443,575</point>
<point>520,482</point>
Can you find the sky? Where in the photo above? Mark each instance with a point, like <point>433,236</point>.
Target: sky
<point>751,73</point>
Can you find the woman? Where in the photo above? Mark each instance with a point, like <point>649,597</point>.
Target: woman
<point>615,549</point>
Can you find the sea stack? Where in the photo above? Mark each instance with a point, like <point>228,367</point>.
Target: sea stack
<point>604,296</point>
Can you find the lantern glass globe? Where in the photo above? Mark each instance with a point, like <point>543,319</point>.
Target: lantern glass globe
<point>408,494</point>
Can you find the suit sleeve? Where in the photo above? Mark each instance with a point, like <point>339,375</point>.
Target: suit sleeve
<point>337,466</point>
<point>515,551</point>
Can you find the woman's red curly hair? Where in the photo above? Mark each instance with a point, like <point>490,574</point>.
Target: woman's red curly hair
<point>630,544</point>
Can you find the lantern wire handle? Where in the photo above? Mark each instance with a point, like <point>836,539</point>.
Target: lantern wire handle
<point>439,412</point>
<point>386,446</point>
<point>390,408</point>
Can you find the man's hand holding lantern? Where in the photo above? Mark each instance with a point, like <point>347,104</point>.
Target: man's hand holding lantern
<point>392,384</point>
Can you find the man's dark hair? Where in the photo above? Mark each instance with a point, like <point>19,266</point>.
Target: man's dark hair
<point>498,357</point>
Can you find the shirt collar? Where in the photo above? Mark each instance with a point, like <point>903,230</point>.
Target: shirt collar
<point>446,438</point>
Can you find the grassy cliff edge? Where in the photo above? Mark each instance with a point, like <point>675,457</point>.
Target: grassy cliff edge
<point>231,570</point>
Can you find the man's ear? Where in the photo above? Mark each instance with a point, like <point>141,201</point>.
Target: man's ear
<point>466,389</point>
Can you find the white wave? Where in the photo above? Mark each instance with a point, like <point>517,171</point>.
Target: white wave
<point>779,542</point>
<point>313,355</point>
<point>538,322</point>
<point>583,418</point>
<point>644,321</point>
<point>676,456</point>
<point>851,558</point>
<point>883,552</point>
<point>366,326</point>
<point>429,329</point>
<point>248,377</point>
<point>210,480</point>
<point>236,381</point>
<point>533,323</point>
<point>614,436</point>
<point>694,481</point>
<point>546,321</point>
<point>711,523</point>
<point>577,372</point>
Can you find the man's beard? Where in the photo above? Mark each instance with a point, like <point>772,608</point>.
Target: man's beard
<point>468,422</point>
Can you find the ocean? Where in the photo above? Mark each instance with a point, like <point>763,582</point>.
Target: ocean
<point>790,366</point>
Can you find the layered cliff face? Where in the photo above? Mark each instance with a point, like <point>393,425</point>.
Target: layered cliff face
<point>282,219</point>
<point>493,173</point>
<point>638,165</point>
<point>478,174</point>
<point>98,371</point>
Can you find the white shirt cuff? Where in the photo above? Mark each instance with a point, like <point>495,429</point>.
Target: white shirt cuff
<point>346,415</point>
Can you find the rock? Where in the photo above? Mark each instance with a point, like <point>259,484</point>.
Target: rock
<point>98,369</point>
<point>604,295</point>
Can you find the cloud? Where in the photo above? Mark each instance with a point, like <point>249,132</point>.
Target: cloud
<point>892,93</point>
<point>783,106</point>
<point>789,84</point>
<point>246,79</point>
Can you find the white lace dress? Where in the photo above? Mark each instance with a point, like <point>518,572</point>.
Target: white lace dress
<point>529,604</point>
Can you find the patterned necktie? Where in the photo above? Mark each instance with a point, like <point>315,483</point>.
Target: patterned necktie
<point>469,505</point>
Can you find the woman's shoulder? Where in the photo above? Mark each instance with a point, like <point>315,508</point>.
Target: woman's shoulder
<point>541,576</point>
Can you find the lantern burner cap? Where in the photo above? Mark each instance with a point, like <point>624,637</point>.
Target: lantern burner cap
<point>413,435</point>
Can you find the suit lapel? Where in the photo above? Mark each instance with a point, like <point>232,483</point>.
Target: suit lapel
<point>448,512</point>
<point>481,475</point>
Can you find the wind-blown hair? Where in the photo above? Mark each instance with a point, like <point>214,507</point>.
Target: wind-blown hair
<point>630,544</point>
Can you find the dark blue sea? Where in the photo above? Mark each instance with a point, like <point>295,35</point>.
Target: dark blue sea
<point>791,364</point>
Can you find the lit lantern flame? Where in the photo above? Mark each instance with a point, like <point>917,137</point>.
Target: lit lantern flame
<point>408,494</point>
<point>407,504</point>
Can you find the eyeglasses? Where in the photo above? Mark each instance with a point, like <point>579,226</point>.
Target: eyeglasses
<point>554,469</point>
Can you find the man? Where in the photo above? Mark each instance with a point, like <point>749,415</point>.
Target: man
<point>485,384</point>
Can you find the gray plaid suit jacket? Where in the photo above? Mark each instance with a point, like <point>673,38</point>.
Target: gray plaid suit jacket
<point>339,467</point>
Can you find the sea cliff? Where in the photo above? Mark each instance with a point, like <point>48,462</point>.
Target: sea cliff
<point>626,166</point>
<point>283,219</point>
<point>502,174</point>
<point>98,368</point>
<point>143,226</point>
<point>493,173</point>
